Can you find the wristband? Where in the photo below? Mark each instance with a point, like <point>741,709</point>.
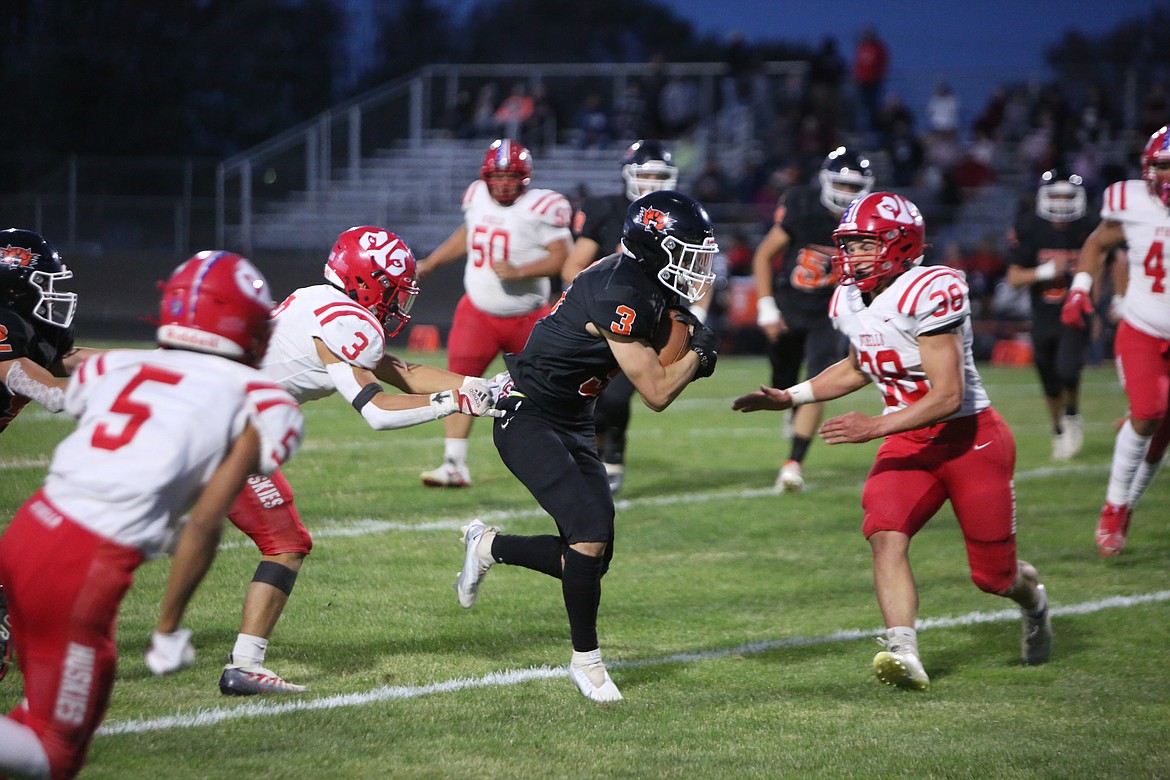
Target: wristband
<point>1046,271</point>
<point>767,312</point>
<point>802,394</point>
<point>1083,281</point>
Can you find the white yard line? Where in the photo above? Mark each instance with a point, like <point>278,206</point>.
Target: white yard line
<point>262,708</point>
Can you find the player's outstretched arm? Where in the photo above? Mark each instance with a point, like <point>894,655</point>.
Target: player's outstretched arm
<point>24,377</point>
<point>416,377</point>
<point>841,378</point>
<point>450,250</point>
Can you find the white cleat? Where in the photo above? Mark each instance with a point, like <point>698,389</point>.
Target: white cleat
<point>901,667</point>
<point>450,474</point>
<point>616,474</point>
<point>1074,435</point>
<point>476,563</point>
<point>790,479</point>
<point>587,671</point>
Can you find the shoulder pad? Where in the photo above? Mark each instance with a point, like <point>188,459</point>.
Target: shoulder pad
<point>624,311</point>
<point>936,297</point>
<point>351,333</point>
<point>279,421</point>
<point>551,208</point>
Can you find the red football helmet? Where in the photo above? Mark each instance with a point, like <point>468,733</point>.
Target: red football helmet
<point>1156,165</point>
<point>376,269</point>
<point>506,170</point>
<point>216,302</point>
<point>894,235</point>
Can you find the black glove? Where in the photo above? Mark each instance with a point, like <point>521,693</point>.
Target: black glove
<point>703,343</point>
<point>684,314</point>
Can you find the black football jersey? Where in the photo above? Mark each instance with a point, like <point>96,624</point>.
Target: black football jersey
<point>602,219</point>
<point>564,367</point>
<point>43,345</point>
<point>806,278</point>
<point>1037,242</point>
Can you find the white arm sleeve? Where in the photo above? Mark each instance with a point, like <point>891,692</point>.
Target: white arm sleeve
<point>379,419</point>
<point>20,383</point>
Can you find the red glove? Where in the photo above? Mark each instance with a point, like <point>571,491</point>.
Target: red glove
<point>1076,309</point>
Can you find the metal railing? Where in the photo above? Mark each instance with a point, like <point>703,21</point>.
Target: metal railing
<point>305,158</point>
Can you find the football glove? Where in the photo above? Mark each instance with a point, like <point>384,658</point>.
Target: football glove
<point>1077,309</point>
<point>170,652</point>
<point>473,398</point>
<point>499,385</point>
<point>704,343</point>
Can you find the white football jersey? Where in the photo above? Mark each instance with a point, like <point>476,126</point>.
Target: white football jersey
<point>885,333</point>
<point>326,313</point>
<point>1146,223</point>
<point>517,234</point>
<point>152,428</point>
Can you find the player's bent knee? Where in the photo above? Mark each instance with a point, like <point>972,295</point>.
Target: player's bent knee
<point>277,575</point>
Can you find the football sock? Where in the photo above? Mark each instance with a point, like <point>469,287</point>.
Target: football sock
<point>904,638</point>
<point>539,553</point>
<point>799,448</point>
<point>249,650</point>
<point>455,450</point>
<point>581,588</point>
<point>1128,451</point>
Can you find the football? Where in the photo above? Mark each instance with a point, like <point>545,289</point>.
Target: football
<point>672,337</point>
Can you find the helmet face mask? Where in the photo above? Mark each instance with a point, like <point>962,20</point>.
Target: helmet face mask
<point>881,236</point>
<point>506,170</point>
<point>1156,166</point>
<point>377,270</point>
<point>844,176</point>
<point>29,271</point>
<point>217,303</point>
<point>671,236</point>
<point>1061,196</point>
<point>646,168</point>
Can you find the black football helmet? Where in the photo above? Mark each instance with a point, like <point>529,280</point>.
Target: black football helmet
<point>1061,196</point>
<point>29,271</point>
<point>671,236</point>
<point>844,176</point>
<point>646,168</point>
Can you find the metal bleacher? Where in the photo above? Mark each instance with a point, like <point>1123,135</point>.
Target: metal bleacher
<point>416,191</point>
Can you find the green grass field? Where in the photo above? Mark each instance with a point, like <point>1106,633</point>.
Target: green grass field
<point>737,622</point>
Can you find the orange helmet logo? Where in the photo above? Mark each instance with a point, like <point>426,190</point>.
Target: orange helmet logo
<point>17,256</point>
<point>654,219</point>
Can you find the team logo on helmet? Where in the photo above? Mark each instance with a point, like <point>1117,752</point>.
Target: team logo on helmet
<point>17,256</point>
<point>654,219</point>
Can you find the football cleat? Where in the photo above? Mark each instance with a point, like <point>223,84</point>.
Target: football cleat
<point>5,635</point>
<point>587,671</point>
<point>450,474</point>
<point>475,563</point>
<point>899,666</point>
<point>1036,645</point>
<point>238,680</point>
<point>616,474</point>
<point>1074,434</point>
<point>1112,528</point>
<point>790,479</point>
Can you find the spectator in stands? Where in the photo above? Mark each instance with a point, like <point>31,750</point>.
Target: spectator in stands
<point>515,112</point>
<point>826,71</point>
<point>871,63</point>
<point>591,127</point>
<point>484,116</point>
<point>712,185</point>
<point>544,125</point>
<point>677,106</point>
<point>461,116</point>
<point>893,110</point>
<point>942,111</point>
<point>630,114</point>
<point>906,154</point>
